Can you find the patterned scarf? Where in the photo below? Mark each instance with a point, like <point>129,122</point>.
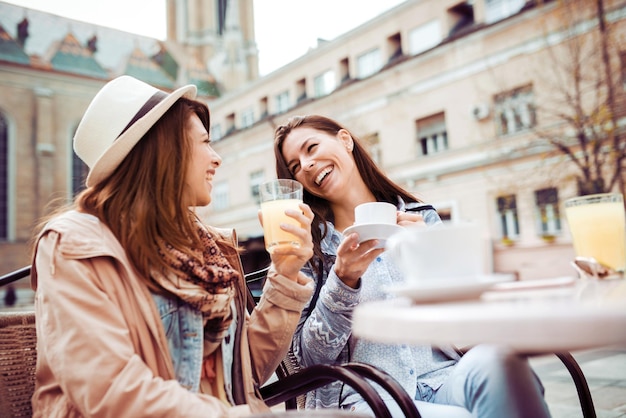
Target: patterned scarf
<point>206,283</point>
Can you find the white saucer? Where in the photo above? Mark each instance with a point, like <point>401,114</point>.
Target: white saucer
<point>381,232</point>
<point>431,291</point>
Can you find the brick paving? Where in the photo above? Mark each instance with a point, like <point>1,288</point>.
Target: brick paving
<point>605,371</point>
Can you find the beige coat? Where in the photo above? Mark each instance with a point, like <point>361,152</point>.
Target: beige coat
<point>102,350</point>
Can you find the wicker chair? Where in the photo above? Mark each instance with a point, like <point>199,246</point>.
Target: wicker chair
<point>18,357</point>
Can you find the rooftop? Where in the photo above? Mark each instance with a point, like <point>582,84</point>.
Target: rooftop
<point>49,42</point>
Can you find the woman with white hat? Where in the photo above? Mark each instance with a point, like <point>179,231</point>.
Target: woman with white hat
<point>140,307</point>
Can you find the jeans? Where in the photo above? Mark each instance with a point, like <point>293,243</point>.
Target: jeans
<point>489,381</point>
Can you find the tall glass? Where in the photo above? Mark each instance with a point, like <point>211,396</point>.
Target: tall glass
<point>276,197</point>
<point>598,227</point>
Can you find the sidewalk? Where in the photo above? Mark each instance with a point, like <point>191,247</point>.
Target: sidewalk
<point>605,370</point>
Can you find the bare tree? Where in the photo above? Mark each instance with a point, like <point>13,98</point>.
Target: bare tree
<point>584,105</point>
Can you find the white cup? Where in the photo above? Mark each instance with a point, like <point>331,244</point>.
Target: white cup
<point>447,252</point>
<point>375,213</point>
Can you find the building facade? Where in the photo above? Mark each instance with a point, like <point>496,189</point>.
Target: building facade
<point>50,69</point>
<point>449,96</point>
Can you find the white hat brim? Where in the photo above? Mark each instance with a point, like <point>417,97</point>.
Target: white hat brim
<point>121,147</point>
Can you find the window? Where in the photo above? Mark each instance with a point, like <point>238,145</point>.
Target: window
<point>220,199</point>
<point>372,143</point>
<point>547,207</point>
<point>4,179</point>
<point>263,108</point>
<point>507,212</point>
<point>324,83</point>
<point>79,171</point>
<point>432,136</point>
<point>447,210</point>
<point>216,132</point>
<point>515,110</point>
<point>256,178</point>
<point>500,9</point>
<point>368,63</point>
<point>344,70</point>
<point>424,37</point>
<point>301,90</point>
<point>394,48</point>
<point>460,17</point>
<point>282,102</point>
<point>247,117</point>
<point>230,124</point>
<point>79,174</point>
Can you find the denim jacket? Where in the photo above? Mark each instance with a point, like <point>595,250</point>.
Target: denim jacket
<point>183,328</point>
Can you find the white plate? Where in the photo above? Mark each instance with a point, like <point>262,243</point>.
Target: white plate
<point>449,290</point>
<point>535,284</point>
<point>381,232</point>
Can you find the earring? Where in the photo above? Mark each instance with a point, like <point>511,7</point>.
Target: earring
<point>349,146</point>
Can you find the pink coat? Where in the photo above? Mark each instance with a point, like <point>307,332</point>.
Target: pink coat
<point>102,350</point>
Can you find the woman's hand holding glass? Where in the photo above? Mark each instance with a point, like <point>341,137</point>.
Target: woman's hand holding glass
<point>288,260</point>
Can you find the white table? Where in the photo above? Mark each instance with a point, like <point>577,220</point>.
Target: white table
<point>584,314</point>
<point>581,315</point>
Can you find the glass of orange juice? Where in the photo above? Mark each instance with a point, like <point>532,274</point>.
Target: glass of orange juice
<point>598,226</point>
<point>277,196</point>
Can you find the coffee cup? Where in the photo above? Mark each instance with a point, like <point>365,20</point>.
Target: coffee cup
<point>374,220</point>
<point>375,213</point>
<point>451,252</point>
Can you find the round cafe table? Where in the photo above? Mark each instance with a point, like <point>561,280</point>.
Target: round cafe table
<point>579,314</point>
<point>547,316</point>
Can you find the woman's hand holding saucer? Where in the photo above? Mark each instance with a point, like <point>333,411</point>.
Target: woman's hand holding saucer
<point>354,258</point>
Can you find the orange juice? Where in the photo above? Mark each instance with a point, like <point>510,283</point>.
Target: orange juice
<point>597,224</point>
<point>273,213</point>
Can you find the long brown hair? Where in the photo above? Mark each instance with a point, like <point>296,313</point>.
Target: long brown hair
<point>142,202</point>
<point>379,184</point>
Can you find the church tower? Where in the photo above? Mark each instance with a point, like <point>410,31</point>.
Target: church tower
<point>218,34</point>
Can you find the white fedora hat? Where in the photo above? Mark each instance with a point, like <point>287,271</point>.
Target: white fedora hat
<point>116,119</point>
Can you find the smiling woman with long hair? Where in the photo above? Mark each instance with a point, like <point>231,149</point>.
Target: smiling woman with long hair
<point>338,175</point>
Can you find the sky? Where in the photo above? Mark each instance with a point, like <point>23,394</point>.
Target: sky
<point>284,29</point>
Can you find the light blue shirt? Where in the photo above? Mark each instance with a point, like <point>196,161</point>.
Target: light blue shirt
<point>324,336</point>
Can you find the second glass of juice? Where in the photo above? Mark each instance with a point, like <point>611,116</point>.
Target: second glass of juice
<point>598,227</point>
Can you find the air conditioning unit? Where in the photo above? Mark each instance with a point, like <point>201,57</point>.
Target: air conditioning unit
<point>480,111</point>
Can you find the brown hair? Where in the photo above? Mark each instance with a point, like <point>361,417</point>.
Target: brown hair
<point>379,184</point>
<point>142,201</point>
